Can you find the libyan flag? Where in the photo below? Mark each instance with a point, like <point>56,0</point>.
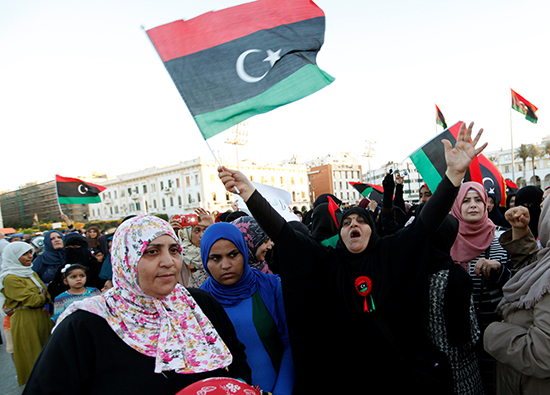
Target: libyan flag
<point>524,107</point>
<point>75,191</point>
<point>232,64</point>
<point>430,163</point>
<point>371,191</point>
<point>439,118</point>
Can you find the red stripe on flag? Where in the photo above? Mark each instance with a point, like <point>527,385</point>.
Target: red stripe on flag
<point>181,38</point>
<point>59,178</point>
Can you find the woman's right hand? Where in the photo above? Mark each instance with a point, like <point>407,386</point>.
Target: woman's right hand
<point>518,218</point>
<point>236,182</point>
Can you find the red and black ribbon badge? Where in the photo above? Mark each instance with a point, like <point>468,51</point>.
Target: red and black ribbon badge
<point>363,285</point>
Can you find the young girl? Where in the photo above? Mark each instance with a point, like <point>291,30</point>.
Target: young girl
<point>75,277</point>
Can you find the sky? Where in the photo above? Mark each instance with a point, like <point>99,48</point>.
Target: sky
<point>82,89</point>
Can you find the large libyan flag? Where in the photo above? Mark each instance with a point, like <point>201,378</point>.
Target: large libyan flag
<point>75,191</point>
<point>430,163</point>
<point>232,64</point>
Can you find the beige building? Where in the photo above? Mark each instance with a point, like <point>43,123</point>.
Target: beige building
<point>188,185</point>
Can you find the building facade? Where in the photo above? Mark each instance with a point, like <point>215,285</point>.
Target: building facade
<point>188,185</point>
<point>20,206</point>
<point>333,174</point>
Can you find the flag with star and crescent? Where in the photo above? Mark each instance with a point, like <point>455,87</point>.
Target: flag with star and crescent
<point>430,163</point>
<point>75,191</point>
<point>232,64</point>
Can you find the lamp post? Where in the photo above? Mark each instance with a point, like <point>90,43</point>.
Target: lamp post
<point>238,137</point>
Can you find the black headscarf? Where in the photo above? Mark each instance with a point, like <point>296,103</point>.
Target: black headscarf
<point>531,197</point>
<point>324,199</point>
<point>323,225</point>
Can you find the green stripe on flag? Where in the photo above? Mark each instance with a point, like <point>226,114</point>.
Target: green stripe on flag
<point>367,191</point>
<point>426,169</point>
<point>309,79</point>
<point>79,200</point>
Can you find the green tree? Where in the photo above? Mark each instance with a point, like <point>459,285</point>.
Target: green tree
<point>534,152</point>
<point>523,153</point>
<point>546,148</point>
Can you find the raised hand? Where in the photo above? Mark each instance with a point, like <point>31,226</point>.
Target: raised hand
<point>460,156</point>
<point>236,182</point>
<point>205,216</point>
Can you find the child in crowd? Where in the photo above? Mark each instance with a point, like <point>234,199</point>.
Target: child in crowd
<point>75,277</point>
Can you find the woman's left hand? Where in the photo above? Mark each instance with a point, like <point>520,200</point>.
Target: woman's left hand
<point>486,267</point>
<point>460,156</point>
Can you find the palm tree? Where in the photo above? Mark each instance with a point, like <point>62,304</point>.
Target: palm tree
<point>523,153</point>
<point>534,152</point>
<point>546,148</point>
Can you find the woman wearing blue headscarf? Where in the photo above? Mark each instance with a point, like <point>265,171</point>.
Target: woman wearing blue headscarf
<point>52,258</point>
<point>254,302</point>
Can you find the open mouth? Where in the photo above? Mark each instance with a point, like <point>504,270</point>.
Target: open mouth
<point>355,234</point>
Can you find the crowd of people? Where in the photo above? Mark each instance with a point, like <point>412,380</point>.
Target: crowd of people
<point>447,296</point>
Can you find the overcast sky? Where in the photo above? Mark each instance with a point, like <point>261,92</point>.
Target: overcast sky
<point>82,89</point>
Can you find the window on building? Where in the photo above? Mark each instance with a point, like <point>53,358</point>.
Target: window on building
<point>227,197</point>
<point>153,188</point>
<point>171,201</point>
<point>272,179</point>
<point>196,179</point>
<point>212,178</point>
<point>292,181</point>
<point>154,203</point>
<point>115,194</point>
<point>145,189</point>
<point>214,196</point>
<point>163,203</point>
<point>198,197</point>
<point>189,198</point>
<point>138,206</point>
<point>177,182</point>
<point>161,185</point>
<point>169,183</point>
<point>116,209</point>
<point>251,178</point>
<point>187,181</point>
<point>111,210</point>
<point>179,200</point>
<point>129,191</point>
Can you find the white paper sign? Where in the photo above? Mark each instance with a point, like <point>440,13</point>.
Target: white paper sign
<point>278,198</point>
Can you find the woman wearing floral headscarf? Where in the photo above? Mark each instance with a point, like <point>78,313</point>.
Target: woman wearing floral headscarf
<point>259,243</point>
<point>147,334</point>
<point>26,294</point>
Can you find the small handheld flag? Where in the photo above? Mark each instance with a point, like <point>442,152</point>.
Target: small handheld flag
<point>525,107</point>
<point>75,191</point>
<point>430,163</point>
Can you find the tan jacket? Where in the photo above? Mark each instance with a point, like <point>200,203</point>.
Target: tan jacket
<point>521,343</point>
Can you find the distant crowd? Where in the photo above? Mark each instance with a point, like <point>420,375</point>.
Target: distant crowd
<point>448,295</point>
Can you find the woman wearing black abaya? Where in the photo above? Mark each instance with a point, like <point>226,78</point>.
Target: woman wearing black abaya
<point>77,250</point>
<point>531,197</point>
<point>355,313</point>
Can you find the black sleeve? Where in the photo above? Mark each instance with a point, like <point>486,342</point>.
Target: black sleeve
<point>239,368</point>
<point>439,205</point>
<point>398,198</point>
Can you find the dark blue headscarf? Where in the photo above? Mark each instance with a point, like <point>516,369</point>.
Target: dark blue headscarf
<point>251,281</point>
<point>46,264</point>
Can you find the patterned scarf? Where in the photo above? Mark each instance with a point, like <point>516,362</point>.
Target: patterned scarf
<point>254,237</point>
<point>173,329</point>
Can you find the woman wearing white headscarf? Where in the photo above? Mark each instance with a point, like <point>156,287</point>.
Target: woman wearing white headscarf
<point>147,334</point>
<point>26,294</point>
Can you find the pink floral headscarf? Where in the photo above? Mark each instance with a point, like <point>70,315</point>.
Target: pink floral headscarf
<point>173,329</point>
